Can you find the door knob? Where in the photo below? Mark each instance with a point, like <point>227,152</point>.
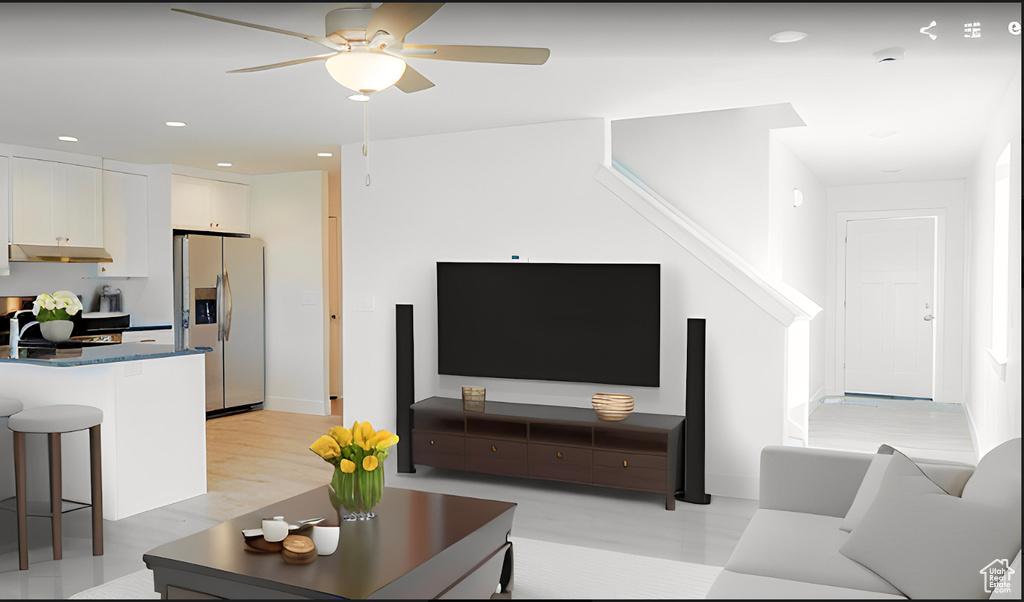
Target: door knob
<point>929,318</point>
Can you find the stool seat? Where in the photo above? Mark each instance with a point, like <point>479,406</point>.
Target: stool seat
<point>9,406</point>
<point>63,418</point>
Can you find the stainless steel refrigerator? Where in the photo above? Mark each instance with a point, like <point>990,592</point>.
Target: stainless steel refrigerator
<point>219,304</point>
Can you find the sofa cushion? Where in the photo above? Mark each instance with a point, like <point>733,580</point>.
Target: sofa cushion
<point>801,547</point>
<point>741,586</point>
<point>868,488</point>
<point>930,544</point>
<point>951,477</point>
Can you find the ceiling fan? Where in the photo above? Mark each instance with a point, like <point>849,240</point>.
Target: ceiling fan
<point>368,49</point>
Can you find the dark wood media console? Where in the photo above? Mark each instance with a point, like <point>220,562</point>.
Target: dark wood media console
<point>641,453</point>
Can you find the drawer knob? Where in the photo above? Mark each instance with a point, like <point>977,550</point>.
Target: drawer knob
<point>494,449</point>
<point>431,441</point>
<point>624,464</point>
<point>559,454</point>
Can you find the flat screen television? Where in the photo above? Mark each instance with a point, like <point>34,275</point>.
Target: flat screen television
<point>580,322</point>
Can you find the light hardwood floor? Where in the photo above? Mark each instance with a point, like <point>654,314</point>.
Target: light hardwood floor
<point>258,458</point>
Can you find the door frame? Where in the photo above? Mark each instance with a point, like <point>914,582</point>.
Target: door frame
<point>839,309</point>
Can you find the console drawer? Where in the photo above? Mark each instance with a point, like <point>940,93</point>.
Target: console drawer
<point>630,471</point>
<point>496,456</point>
<point>562,463</point>
<point>438,449</point>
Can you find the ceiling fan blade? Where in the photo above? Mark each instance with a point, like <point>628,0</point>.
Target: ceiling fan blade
<point>399,18</point>
<point>478,54</point>
<point>286,63</point>
<point>413,81</point>
<point>315,39</point>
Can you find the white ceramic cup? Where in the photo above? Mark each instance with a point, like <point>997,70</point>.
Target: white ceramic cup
<point>326,539</point>
<point>275,529</point>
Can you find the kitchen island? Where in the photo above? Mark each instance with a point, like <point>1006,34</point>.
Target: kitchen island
<point>153,399</point>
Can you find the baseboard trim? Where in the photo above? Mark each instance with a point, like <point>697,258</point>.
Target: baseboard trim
<point>733,486</point>
<point>295,406</point>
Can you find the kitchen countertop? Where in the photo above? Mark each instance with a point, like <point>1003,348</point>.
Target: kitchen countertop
<point>87,356</point>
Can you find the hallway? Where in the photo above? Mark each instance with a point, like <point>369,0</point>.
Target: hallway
<point>921,429</point>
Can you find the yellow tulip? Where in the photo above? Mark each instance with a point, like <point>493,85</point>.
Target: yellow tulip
<point>326,447</point>
<point>384,440</point>
<point>348,466</point>
<point>362,432</point>
<point>370,463</point>
<point>342,435</point>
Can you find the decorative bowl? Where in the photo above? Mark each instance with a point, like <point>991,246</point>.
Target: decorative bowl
<point>612,406</point>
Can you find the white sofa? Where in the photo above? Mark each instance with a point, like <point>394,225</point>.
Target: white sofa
<point>912,529</point>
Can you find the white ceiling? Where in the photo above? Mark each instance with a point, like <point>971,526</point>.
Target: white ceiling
<point>112,74</point>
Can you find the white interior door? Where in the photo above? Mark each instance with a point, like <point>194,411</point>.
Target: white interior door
<point>890,306</point>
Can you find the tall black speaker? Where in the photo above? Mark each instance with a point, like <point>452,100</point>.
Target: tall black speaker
<point>693,426</point>
<point>404,386</point>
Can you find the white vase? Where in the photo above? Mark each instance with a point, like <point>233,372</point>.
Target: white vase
<point>57,331</point>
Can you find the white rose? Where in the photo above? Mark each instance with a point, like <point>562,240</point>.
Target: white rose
<point>67,301</point>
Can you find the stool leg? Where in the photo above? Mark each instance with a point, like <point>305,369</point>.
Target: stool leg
<point>55,493</point>
<point>97,490</point>
<point>20,492</point>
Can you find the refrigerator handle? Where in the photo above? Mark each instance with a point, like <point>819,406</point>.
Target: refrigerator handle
<point>230,306</point>
<point>220,308</point>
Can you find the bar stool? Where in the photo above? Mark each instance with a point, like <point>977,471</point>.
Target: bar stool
<point>54,420</point>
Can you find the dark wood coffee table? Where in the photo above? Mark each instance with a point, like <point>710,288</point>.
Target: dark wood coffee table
<point>420,545</point>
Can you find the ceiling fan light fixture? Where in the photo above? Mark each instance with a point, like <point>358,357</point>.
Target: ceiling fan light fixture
<point>787,37</point>
<point>365,71</point>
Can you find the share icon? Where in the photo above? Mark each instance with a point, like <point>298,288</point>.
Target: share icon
<point>925,31</point>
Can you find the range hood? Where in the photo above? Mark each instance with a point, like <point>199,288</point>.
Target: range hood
<point>58,254</point>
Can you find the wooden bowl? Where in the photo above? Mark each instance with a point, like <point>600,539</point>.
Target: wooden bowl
<point>611,406</point>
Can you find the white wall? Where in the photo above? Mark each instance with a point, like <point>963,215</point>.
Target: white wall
<point>797,239</point>
<point>944,197</point>
<point>530,190</point>
<point>712,166</point>
<point>288,212</point>
<point>993,400</point>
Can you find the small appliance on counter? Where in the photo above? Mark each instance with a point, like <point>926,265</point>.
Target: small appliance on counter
<point>110,299</point>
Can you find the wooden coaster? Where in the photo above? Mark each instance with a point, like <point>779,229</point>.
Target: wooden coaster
<point>298,544</point>
<point>298,549</point>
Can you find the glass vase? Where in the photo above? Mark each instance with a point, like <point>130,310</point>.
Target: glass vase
<point>354,494</point>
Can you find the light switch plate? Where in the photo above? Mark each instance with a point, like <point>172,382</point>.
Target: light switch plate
<point>362,304</point>
<point>309,297</point>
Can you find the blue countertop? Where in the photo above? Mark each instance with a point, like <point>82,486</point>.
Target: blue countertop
<point>87,356</point>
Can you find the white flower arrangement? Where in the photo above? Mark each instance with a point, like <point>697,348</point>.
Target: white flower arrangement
<point>58,306</point>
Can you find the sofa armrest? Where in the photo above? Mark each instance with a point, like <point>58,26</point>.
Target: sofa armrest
<point>815,481</point>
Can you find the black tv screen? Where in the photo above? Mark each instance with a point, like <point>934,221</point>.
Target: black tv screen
<point>593,323</point>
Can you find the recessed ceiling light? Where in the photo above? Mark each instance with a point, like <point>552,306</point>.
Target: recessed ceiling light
<point>881,133</point>
<point>223,165</point>
<point>892,169</point>
<point>175,124</point>
<point>67,138</point>
<point>324,154</point>
<point>786,37</point>
<point>359,97</point>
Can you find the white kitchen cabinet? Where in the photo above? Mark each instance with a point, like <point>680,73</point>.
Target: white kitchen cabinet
<point>209,205</point>
<point>158,337</point>
<point>125,225</point>
<point>57,204</point>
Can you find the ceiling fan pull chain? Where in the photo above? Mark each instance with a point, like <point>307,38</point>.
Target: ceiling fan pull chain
<point>366,138</point>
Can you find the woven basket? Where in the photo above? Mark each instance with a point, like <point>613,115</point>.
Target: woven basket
<point>610,406</point>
